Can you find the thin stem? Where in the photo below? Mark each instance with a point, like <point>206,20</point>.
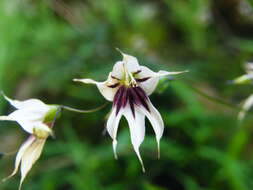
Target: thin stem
<point>214,99</point>
<point>218,100</point>
<point>83,111</point>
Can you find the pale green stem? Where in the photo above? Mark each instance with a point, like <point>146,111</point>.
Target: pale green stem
<point>83,111</point>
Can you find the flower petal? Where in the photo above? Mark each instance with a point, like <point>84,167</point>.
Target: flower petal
<point>149,85</point>
<point>137,130</point>
<point>31,103</point>
<point>103,87</point>
<point>30,156</point>
<point>6,118</point>
<point>165,73</point>
<point>249,68</point>
<point>118,70</point>
<point>152,77</point>
<point>246,106</point>
<point>156,122</point>
<point>20,154</point>
<point>131,63</point>
<point>27,118</point>
<point>42,131</point>
<point>112,127</point>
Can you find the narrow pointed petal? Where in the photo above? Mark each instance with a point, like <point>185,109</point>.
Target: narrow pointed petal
<point>156,122</point>
<point>31,103</point>
<point>27,118</point>
<point>20,154</point>
<point>149,85</point>
<point>87,81</point>
<point>130,62</point>
<point>151,78</point>
<point>6,118</point>
<point>137,130</point>
<point>114,146</point>
<point>103,87</point>
<point>118,70</point>
<point>30,156</point>
<point>165,73</point>
<point>112,128</point>
<point>246,106</point>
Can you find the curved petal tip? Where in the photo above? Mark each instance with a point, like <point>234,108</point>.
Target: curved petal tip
<point>86,81</point>
<point>114,145</point>
<point>78,80</point>
<point>164,73</point>
<point>158,150</point>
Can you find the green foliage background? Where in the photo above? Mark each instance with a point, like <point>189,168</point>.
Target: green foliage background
<point>45,44</point>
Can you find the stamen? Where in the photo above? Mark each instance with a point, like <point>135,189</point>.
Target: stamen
<point>133,81</point>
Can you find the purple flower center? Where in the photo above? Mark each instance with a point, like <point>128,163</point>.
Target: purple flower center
<point>135,96</point>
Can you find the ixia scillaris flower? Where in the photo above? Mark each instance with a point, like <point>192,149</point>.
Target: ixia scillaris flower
<point>37,119</point>
<point>245,79</point>
<point>128,86</point>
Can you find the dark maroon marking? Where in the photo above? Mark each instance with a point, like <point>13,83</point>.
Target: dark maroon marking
<point>142,79</point>
<point>141,92</point>
<point>135,96</point>
<point>137,72</point>
<point>117,96</point>
<point>143,97</point>
<point>131,103</point>
<point>118,100</point>
<point>134,100</point>
<point>115,78</point>
<point>113,85</point>
<point>125,97</point>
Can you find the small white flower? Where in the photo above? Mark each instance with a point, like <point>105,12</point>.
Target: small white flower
<point>245,79</point>
<point>36,118</point>
<point>128,87</point>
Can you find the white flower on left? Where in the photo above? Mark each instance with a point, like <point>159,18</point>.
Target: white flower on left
<point>36,118</point>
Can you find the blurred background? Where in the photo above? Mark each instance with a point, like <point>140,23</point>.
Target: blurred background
<point>45,44</point>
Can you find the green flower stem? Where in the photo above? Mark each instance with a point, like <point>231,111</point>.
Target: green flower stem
<point>83,111</point>
<point>218,100</point>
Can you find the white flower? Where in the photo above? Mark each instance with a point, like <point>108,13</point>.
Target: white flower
<point>36,118</point>
<point>245,79</point>
<point>128,87</point>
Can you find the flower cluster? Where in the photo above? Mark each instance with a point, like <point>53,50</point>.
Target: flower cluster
<point>128,86</point>
<point>37,119</point>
